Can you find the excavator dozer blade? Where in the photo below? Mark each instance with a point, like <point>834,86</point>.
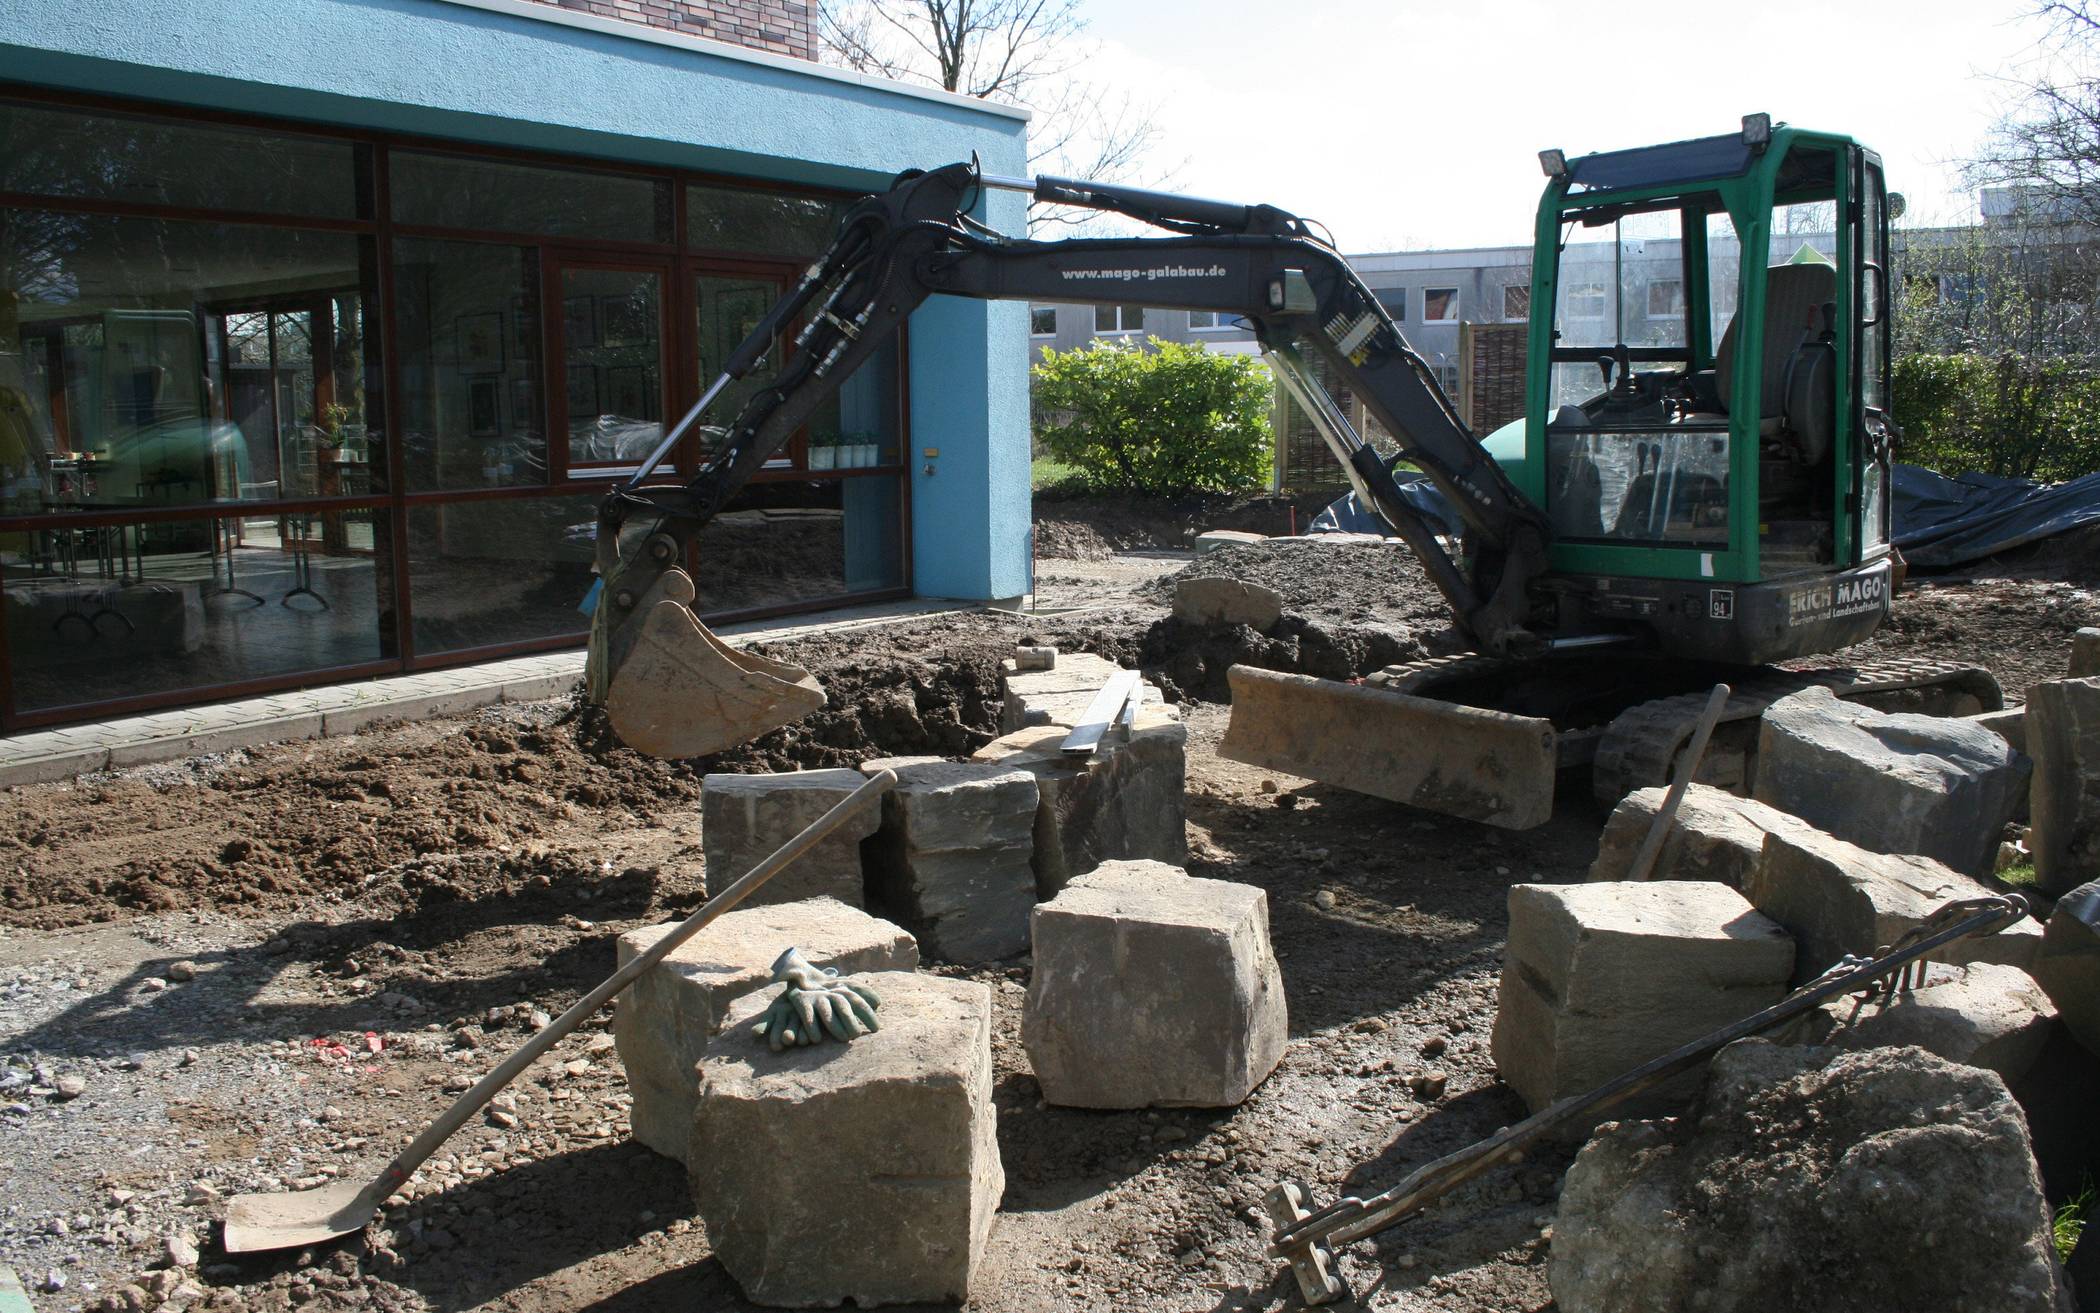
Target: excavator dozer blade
<point>677,691</point>
<point>1462,761</point>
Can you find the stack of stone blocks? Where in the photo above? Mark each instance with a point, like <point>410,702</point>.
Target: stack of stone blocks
<point>1861,827</point>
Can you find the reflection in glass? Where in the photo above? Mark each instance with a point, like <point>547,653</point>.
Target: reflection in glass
<point>778,544</point>
<point>469,358</point>
<point>122,611</point>
<point>612,363</point>
<point>141,367</point>
<point>449,191</point>
<point>1658,486</point>
<point>789,227</point>
<point>505,571</point>
<point>145,161</point>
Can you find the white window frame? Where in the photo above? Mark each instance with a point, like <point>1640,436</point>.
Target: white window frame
<point>1121,330</point>
<point>1509,318</point>
<point>1578,289</point>
<point>1648,298</point>
<point>1220,321</point>
<point>1451,318</point>
<point>1035,310</point>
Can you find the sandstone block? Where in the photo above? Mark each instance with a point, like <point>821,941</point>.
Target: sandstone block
<point>2063,732</point>
<point>1716,837</point>
<point>951,861</point>
<point>1836,898</point>
<point>1940,787</point>
<point>866,1171</point>
<point>1980,1015</point>
<point>2085,654</point>
<point>1846,1182</point>
<point>2008,723</point>
<point>1125,802</point>
<point>1060,696</point>
<point>1210,540</point>
<point>666,1018</point>
<point>2067,964</point>
<point>1599,978</point>
<point>744,818</point>
<point>1153,989</point>
<point>1227,602</point>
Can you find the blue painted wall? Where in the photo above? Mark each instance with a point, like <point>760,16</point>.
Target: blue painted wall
<point>439,69</point>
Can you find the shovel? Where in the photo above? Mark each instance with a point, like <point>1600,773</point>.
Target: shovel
<point>256,1222</point>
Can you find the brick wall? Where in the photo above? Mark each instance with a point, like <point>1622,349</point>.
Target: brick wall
<point>780,27</point>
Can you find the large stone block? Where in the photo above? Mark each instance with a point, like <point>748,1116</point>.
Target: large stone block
<point>1599,978</point>
<point>951,861</point>
<point>1060,696</point>
<point>666,1018</point>
<point>1126,802</point>
<point>2067,964</point>
<point>1225,601</point>
<point>1836,898</point>
<point>1153,989</point>
<point>866,1171</point>
<point>744,818</point>
<point>1716,836</point>
<point>1980,1015</point>
<point>2063,733</point>
<point>1807,1178</point>
<point>2085,654</point>
<point>1901,783</point>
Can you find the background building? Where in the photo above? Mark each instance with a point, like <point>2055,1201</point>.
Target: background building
<point>323,326</point>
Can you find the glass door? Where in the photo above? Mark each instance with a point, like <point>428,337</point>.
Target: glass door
<point>609,346</point>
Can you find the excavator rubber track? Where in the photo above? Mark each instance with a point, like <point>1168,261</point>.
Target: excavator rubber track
<point>1638,747</point>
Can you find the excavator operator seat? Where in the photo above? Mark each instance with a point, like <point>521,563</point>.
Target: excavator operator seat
<point>1796,357</point>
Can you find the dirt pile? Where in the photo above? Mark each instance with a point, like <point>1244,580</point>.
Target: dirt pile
<point>1096,526</point>
<point>1356,583</point>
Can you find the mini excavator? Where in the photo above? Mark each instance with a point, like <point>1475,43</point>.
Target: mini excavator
<point>1696,493</point>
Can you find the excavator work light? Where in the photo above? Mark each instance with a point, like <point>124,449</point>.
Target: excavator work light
<point>1554,162</point>
<point>1757,131</point>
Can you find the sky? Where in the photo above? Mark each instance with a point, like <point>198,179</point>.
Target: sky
<point>1405,125</point>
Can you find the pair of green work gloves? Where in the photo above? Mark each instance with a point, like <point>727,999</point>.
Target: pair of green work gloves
<point>815,1003</point>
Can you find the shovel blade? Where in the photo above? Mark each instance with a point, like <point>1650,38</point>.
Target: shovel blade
<point>1462,761</point>
<point>257,1222</point>
<point>682,692</point>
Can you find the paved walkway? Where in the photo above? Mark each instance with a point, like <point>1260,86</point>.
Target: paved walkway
<point>40,756</point>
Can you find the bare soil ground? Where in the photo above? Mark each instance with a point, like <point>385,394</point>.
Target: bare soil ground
<point>371,921</point>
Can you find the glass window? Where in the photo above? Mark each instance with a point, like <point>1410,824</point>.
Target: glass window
<point>451,191</point>
<point>1119,318</point>
<point>736,219</point>
<point>1616,292</point>
<point>1439,304</point>
<point>1874,295</point>
<point>1665,298</point>
<point>506,570</point>
<point>778,544</point>
<point>152,362</point>
<point>612,363</point>
<point>1394,299</point>
<point>858,427</point>
<point>1516,302</point>
<point>94,614</point>
<point>1657,486</point>
<point>144,161</point>
<point>1042,320</point>
<point>469,358</point>
<point>726,309</point>
<point>1724,271</point>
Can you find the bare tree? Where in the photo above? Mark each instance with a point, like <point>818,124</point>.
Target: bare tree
<point>1029,53</point>
<point>2048,144</point>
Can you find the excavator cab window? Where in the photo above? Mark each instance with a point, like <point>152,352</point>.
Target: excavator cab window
<point>1637,448</point>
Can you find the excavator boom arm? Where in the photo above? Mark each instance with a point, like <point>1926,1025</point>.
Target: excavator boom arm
<point>916,240</point>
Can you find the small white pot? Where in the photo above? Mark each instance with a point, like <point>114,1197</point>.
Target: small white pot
<point>821,458</point>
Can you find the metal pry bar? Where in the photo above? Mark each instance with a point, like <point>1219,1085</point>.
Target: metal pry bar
<point>1307,1239</point>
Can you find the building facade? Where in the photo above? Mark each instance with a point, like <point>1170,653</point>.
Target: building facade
<point>324,326</point>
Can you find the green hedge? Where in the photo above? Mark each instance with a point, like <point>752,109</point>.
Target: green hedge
<point>2010,415</point>
<point>1168,419</point>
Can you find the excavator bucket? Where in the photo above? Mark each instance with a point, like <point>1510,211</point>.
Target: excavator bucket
<point>1462,761</point>
<point>672,689</point>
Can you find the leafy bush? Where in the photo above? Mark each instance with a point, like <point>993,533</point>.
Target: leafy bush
<point>1171,418</point>
<point>2010,415</point>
